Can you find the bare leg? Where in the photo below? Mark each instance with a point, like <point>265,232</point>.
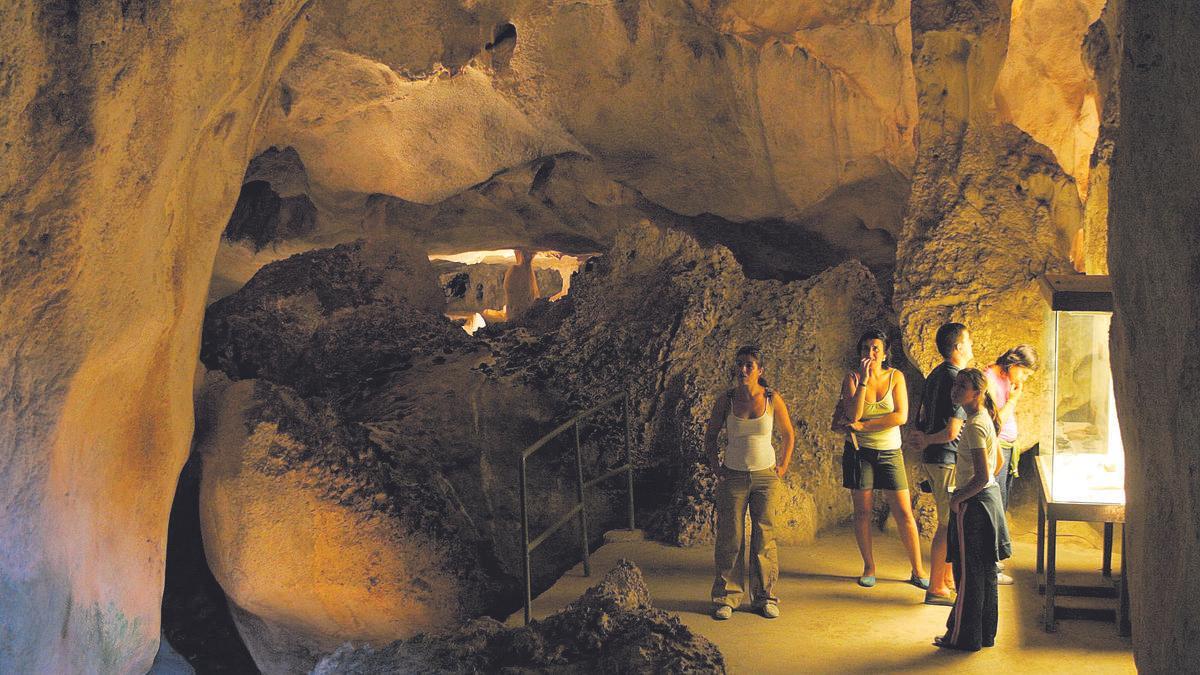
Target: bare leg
<point>906,525</point>
<point>940,573</point>
<point>864,509</point>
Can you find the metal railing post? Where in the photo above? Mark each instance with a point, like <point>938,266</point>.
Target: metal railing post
<point>525,546</point>
<point>629,459</point>
<point>587,565</point>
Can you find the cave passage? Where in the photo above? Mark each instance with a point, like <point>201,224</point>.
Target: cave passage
<point>480,286</point>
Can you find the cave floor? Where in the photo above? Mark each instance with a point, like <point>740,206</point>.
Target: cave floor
<point>830,624</point>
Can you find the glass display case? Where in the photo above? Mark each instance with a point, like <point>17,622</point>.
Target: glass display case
<point>1087,462</point>
<point>1081,467</point>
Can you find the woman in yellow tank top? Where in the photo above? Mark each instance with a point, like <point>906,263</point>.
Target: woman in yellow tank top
<point>875,401</point>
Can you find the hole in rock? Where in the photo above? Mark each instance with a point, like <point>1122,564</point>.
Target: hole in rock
<point>502,45</point>
<point>493,286</point>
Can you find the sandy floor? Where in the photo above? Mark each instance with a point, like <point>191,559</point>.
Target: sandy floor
<point>830,624</point>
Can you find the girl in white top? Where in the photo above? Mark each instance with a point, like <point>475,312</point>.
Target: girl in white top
<point>748,479</point>
<point>978,533</point>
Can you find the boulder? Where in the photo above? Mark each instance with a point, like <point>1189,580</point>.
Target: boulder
<point>359,481</point>
<point>612,627</point>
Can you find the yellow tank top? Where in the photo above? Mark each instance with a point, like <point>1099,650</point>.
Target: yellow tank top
<point>886,439</point>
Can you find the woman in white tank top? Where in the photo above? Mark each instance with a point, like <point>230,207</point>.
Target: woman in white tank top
<point>874,405</point>
<point>748,479</point>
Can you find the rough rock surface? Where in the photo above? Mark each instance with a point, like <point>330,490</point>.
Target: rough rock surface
<point>660,317</point>
<point>1046,87</point>
<point>1153,257</point>
<point>612,627</point>
<point>990,209</point>
<point>126,129</point>
<point>359,480</point>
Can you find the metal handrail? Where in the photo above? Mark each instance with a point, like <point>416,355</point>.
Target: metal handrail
<point>580,507</point>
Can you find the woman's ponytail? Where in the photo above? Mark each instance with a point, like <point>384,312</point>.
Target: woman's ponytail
<point>980,384</point>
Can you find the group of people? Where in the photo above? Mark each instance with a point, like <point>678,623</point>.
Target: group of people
<point>967,429</point>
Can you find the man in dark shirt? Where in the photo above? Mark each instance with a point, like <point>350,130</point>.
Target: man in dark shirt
<point>939,422</point>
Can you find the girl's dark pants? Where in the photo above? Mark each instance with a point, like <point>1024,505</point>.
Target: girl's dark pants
<point>978,538</point>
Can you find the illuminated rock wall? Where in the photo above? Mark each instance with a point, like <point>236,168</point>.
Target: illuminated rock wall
<point>126,129</point>
<point>990,208</point>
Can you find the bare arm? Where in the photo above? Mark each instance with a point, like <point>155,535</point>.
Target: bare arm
<point>1009,408</point>
<point>849,400</point>
<point>978,481</point>
<point>785,429</point>
<point>950,433</point>
<point>713,430</point>
<point>896,417</point>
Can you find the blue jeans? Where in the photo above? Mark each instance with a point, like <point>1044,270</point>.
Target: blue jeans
<point>1005,477</point>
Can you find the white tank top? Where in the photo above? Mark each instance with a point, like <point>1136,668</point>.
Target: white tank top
<point>750,446</point>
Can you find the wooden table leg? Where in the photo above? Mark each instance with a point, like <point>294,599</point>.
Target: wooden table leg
<point>1041,538</point>
<point>1106,570</point>
<point>1051,545</point>
<point>1124,628</point>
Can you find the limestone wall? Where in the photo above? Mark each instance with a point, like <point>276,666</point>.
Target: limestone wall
<point>126,128</point>
<point>990,208</point>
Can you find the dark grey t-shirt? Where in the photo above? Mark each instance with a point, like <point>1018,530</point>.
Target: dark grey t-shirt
<point>936,412</point>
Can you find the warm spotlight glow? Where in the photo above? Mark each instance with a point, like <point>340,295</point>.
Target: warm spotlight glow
<point>502,256</point>
<point>566,265</point>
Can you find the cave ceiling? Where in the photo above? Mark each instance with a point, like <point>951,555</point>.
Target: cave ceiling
<point>783,130</point>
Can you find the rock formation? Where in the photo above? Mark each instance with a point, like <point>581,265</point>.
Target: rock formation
<point>612,627</point>
<point>1045,86</point>
<point>126,129</point>
<point>660,317</point>
<point>990,208</point>
<point>359,413</point>
<point>1153,258</point>
<point>348,485</point>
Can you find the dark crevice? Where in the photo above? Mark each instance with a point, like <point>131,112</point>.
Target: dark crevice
<point>195,613</point>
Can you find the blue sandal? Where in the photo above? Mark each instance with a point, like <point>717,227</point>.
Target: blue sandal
<point>866,581</point>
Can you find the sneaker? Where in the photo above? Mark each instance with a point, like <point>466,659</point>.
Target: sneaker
<point>723,612</point>
<point>1003,579</point>
<point>770,610</point>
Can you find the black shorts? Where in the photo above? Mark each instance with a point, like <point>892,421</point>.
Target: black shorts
<point>870,469</point>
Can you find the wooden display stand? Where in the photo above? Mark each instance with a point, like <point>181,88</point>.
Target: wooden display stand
<point>1050,513</point>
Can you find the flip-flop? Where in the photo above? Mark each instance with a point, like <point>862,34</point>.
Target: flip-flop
<point>866,581</point>
<point>920,582</point>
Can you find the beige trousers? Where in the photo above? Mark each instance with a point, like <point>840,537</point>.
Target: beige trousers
<point>737,491</point>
